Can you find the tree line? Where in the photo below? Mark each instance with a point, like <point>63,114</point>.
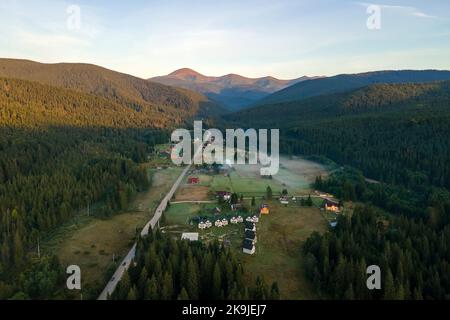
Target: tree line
<point>169,269</point>
<point>413,254</point>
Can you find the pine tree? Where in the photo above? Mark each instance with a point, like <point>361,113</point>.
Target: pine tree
<point>166,287</point>
<point>269,193</point>
<point>18,249</point>
<point>132,295</point>
<point>153,292</point>
<point>216,282</point>
<point>183,295</point>
<point>274,292</point>
<point>349,293</point>
<point>389,289</point>
<point>192,280</point>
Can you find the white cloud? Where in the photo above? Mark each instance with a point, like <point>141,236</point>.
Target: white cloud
<point>406,10</point>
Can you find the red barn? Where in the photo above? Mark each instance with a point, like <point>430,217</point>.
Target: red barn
<point>193,180</point>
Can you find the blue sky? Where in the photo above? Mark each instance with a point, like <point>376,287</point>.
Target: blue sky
<point>283,38</point>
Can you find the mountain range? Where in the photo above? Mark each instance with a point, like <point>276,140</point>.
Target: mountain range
<point>233,91</point>
<point>381,99</point>
<point>345,82</point>
<point>166,104</point>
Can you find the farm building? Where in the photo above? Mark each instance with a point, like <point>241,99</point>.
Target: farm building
<point>189,236</point>
<point>248,247</point>
<point>193,180</point>
<point>331,205</point>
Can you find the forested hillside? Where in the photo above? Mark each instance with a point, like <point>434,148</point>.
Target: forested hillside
<point>122,88</point>
<point>396,134</point>
<point>414,257</point>
<point>61,151</point>
<point>346,82</point>
<point>393,133</point>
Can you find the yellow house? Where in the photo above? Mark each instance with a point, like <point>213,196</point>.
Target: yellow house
<point>264,210</point>
<point>331,205</point>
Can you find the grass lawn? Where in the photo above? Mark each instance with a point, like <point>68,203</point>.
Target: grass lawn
<point>278,251</point>
<point>92,245</point>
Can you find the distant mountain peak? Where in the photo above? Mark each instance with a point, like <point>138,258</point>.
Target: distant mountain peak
<point>187,74</point>
<point>232,90</point>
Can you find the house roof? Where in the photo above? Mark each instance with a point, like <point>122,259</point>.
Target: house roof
<point>249,224</point>
<point>223,193</point>
<point>330,202</point>
<point>264,210</point>
<point>248,244</point>
<point>250,234</point>
<point>190,236</point>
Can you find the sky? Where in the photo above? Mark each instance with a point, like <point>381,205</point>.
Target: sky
<point>285,38</point>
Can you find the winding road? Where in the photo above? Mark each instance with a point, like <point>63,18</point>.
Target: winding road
<point>124,265</point>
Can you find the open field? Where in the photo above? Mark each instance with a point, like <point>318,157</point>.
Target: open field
<point>278,251</point>
<point>192,193</point>
<point>295,175</point>
<point>280,235</point>
<point>91,243</point>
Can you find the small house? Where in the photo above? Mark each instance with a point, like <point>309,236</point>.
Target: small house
<point>224,222</point>
<point>264,210</point>
<point>208,224</point>
<point>331,205</point>
<point>193,180</point>
<point>225,195</point>
<point>248,247</point>
<point>253,219</point>
<point>236,220</point>
<point>218,223</point>
<point>202,226</point>
<point>333,224</point>
<point>284,200</point>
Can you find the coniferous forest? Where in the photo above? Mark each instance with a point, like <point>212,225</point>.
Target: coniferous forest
<point>168,269</point>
